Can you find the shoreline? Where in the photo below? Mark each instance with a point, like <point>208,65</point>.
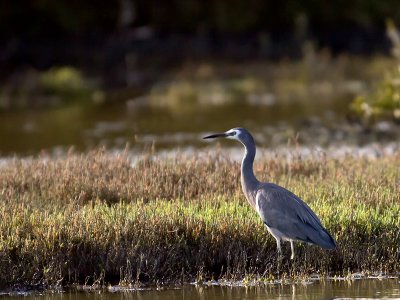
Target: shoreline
<point>42,290</point>
<point>370,150</point>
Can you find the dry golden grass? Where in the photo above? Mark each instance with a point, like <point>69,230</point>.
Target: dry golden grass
<point>97,217</point>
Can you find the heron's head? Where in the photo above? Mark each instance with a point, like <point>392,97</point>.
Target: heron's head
<point>240,134</point>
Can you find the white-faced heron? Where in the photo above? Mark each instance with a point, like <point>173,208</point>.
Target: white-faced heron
<point>286,216</point>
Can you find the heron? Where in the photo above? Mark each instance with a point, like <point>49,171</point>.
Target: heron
<point>286,216</point>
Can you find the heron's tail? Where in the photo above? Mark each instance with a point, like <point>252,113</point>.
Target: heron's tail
<point>319,236</point>
<point>326,240</point>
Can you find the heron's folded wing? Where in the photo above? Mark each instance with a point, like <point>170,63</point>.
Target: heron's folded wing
<point>284,211</point>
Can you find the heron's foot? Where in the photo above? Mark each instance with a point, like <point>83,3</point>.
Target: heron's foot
<point>279,262</point>
<point>280,257</point>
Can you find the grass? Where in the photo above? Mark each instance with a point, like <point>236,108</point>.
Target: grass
<point>316,77</point>
<point>57,86</point>
<point>97,218</point>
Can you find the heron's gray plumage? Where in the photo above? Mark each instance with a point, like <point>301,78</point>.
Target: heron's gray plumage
<point>286,216</point>
<point>284,211</point>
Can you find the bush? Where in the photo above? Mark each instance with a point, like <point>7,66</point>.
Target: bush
<point>384,101</point>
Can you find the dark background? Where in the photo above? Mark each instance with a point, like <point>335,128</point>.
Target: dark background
<point>96,35</point>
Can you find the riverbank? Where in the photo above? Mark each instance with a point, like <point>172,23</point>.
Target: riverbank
<point>99,218</point>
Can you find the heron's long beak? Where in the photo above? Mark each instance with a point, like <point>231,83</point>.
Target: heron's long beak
<point>216,135</point>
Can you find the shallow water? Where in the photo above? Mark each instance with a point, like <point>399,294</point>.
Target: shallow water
<point>84,127</point>
<point>355,289</point>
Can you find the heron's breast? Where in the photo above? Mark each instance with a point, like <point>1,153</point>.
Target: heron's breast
<point>250,196</point>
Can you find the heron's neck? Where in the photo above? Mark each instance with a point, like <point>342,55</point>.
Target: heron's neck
<point>249,181</point>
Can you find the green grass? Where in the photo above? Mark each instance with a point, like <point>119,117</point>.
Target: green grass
<point>98,218</point>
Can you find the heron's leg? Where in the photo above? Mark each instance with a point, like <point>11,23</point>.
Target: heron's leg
<point>292,247</point>
<point>279,251</point>
<point>278,247</point>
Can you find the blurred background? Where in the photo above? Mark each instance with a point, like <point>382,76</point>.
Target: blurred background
<point>160,74</point>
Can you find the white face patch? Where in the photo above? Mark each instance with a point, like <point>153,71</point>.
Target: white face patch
<point>233,134</point>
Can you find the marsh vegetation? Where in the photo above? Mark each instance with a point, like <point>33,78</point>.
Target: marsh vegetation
<point>102,218</point>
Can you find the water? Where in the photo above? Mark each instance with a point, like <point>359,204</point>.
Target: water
<point>88,126</point>
<point>307,101</point>
<point>355,289</point>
